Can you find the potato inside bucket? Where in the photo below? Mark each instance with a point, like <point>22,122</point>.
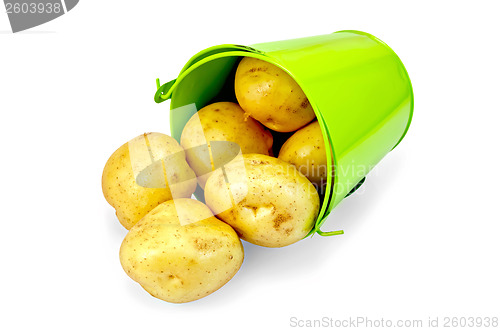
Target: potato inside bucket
<point>213,80</point>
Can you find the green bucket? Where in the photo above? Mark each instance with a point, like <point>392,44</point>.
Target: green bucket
<point>357,86</point>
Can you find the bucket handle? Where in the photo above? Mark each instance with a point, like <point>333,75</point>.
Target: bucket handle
<point>334,233</point>
<point>329,233</point>
<point>163,92</point>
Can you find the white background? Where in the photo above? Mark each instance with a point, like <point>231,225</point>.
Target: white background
<point>421,237</point>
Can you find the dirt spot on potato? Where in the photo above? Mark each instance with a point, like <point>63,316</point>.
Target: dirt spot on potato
<point>280,219</point>
<point>258,162</point>
<point>305,103</point>
<point>257,69</point>
<point>207,245</point>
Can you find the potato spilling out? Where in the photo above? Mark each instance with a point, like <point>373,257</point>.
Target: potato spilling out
<point>266,200</point>
<point>219,132</point>
<point>271,96</point>
<point>179,252</point>
<point>306,151</point>
<point>143,173</point>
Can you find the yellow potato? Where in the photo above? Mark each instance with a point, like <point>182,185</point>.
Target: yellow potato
<point>306,151</point>
<point>143,173</point>
<point>266,200</point>
<point>180,252</point>
<point>205,135</point>
<point>271,96</point>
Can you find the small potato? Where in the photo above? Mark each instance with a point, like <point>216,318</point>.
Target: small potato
<point>180,252</point>
<point>306,151</point>
<point>143,173</point>
<point>205,135</point>
<point>266,200</point>
<point>271,96</point>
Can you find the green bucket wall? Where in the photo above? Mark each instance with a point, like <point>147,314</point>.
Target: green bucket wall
<point>357,86</point>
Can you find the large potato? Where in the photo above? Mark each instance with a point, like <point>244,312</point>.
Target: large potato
<point>180,252</point>
<point>266,200</point>
<point>306,151</point>
<point>271,96</point>
<point>143,173</point>
<point>204,135</point>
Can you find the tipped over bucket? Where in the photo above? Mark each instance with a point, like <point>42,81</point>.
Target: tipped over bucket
<point>358,87</point>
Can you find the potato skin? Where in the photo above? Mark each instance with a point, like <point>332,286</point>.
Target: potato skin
<point>222,121</point>
<point>133,201</point>
<point>181,258</point>
<point>271,96</point>
<point>274,204</point>
<point>305,149</point>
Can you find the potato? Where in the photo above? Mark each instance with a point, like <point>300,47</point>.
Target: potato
<point>266,200</point>
<point>179,252</point>
<point>143,173</point>
<point>205,135</point>
<point>271,96</point>
<point>306,151</point>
